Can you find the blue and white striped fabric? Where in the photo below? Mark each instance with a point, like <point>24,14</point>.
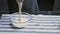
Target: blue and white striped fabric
<point>39,24</point>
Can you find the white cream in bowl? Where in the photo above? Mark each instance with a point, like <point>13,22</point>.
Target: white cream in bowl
<point>20,22</point>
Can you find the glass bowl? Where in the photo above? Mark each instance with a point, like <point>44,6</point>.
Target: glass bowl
<point>20,21</point>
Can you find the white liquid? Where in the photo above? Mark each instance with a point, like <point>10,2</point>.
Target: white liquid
<point>20,24</point>
<point>19,21</point>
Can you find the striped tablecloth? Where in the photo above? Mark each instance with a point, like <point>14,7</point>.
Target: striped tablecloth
<point>39,24</point>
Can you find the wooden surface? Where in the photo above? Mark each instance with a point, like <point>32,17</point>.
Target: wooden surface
<point>39,24</point>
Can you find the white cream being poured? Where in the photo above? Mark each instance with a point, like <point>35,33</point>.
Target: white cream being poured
<point>20,3</point>
<point>18,22</point>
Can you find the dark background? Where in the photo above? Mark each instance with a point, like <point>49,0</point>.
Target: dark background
<point>46,6</point>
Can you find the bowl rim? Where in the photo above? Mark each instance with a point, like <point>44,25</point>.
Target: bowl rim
<point>18,14</point>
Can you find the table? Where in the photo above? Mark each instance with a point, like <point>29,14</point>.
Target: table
<point>39,24</point>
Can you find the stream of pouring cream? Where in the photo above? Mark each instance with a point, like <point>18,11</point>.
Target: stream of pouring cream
<point>20,3</point>
<point>18,21</point>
